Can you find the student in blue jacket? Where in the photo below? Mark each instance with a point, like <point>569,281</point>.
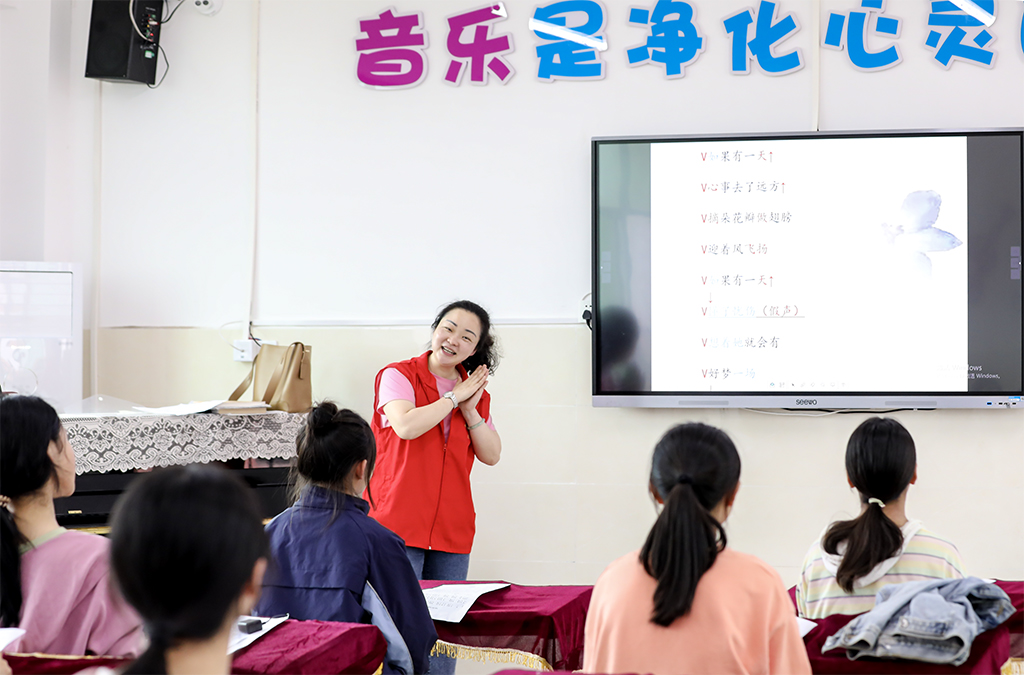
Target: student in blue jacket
<point>331,561</point>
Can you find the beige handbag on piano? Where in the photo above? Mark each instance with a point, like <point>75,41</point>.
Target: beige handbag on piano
<point>280,377</point>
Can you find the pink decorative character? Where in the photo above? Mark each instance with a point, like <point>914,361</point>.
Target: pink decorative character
<point>476,24</point>
<point>391,55</point>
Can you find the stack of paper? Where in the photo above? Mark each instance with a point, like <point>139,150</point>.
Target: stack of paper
<point>241,407</point>
<point>222,407</point>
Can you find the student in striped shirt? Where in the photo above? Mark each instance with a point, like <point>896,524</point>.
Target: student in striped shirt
<point>854,559</point>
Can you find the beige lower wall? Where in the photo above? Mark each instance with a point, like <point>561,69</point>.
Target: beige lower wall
<point>569,494</point>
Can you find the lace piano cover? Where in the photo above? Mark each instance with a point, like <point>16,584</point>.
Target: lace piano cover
<point>125,442</point>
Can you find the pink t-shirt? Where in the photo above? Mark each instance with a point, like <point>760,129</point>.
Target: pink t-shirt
<point>396,387</point>
<point>69,605</point>
<point>741,621</point>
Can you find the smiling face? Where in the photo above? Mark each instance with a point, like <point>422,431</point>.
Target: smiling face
<point>455,339</point>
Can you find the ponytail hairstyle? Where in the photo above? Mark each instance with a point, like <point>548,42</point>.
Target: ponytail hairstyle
<point>27,426</point>
<point>487,352</point>
<point>880,462</point>
<point>331,442</point>
<point>184,542</point>
<point>695,466</point>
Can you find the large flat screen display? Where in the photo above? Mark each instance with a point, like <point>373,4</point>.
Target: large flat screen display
<point>876,270</point>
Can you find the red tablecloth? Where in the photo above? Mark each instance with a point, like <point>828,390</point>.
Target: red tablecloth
<point>1015,624</point>
<point>57,664</point>
<point>989,651</point>
<point>314,647</point>
<point>544,620</point>
<point>293,647</point>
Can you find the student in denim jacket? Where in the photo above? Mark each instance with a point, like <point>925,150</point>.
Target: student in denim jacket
<point>332,562</point>
<point>854,559</point>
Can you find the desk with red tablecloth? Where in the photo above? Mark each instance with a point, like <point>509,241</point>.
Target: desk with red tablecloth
<point>534,626</point>
<point>293,647</point>
<point>989,651</point>
<point>548,622</point>
<point>539,627</point>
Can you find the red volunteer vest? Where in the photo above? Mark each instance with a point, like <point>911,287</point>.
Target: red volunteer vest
<point>421,487</point>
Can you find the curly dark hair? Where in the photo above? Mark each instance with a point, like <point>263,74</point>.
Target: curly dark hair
<point>487,351</point>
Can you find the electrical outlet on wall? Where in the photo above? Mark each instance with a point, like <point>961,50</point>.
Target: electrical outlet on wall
<point>586,311</point>
<point>208,7</point>
<point>245,350</point>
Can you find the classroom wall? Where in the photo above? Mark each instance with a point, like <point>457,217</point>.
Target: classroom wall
<point>165,187</point>
<point>570,493</point>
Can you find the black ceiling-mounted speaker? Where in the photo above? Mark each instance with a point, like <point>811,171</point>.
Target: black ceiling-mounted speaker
<point>117,51</point>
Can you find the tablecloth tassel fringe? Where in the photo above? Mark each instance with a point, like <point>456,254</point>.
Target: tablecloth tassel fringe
<point>1013,666</point>
<point>65,657</point>
<point>491,655</point>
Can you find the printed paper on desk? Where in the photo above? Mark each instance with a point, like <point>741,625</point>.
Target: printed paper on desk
<point>451,602</point>
<point>240,640</point>
<point>9,635</point>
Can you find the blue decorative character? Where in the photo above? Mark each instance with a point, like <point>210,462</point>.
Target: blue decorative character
<point>675,40</point>
<point>854,37</point>
<point>950,26</point>
<point>571,52</point>
<point>767,33</point>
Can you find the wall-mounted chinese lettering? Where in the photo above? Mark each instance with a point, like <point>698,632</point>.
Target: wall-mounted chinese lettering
<point>952,28</point>
<point>391,55</point>
<point>767,34</point>
<point>570,52</point>
<point>850,32</point>
<point>674,41</point>
<point>482,52</point>
<point>571,40</point>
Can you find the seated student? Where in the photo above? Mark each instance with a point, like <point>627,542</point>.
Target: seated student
<point>854,559</point>
<point>333,562</point>
<point>188,551</point>
<point>685,603</point>
<point>53,583</point>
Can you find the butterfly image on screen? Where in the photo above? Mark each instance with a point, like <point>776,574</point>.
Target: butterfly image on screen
<point>913,230</point>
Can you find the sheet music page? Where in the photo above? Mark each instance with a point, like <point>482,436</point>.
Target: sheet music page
<point>451,601</point>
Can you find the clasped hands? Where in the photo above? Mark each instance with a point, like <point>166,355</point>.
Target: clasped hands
<point>469,391</point>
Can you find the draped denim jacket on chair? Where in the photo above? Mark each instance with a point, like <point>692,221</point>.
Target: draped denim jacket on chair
<point>932,621</point>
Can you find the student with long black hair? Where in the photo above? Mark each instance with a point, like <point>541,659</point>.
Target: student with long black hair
<point>685,602</point>
<point>853,559</point>
<point>188,551</point>
<point>332,561</point>
<point>53,582</point>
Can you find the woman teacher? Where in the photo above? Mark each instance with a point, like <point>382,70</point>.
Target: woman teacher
<point>431,420</point>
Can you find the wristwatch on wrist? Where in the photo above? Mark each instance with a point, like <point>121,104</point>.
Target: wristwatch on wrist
<point>454,399</point>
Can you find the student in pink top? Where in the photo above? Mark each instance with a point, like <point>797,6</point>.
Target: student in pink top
<point>53,583</point>
<point>685,603</point>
